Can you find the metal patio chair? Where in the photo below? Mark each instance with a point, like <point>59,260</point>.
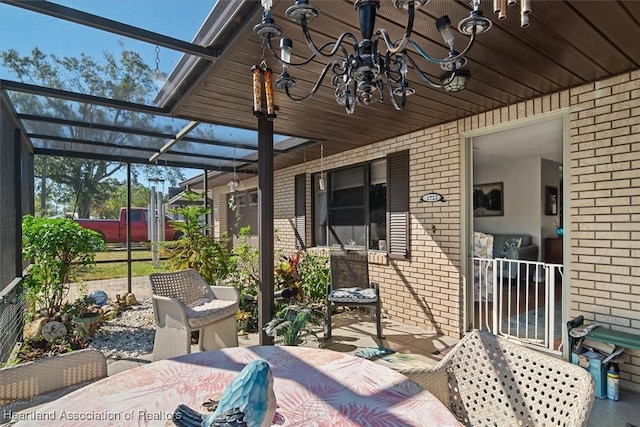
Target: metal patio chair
<point>184,302</point>
<point>489,381</point>
<point>350,286</point>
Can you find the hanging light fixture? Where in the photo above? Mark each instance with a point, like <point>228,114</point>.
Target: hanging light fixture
<point>358,68</point>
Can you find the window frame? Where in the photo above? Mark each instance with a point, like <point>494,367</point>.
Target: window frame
<point>366,166</point>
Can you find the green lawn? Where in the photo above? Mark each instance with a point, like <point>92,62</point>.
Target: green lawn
<point>115,269</point>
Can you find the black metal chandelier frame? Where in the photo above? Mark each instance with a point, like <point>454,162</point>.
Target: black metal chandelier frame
<point>358,68</point>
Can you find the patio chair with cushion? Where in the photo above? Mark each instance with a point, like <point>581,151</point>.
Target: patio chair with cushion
<point>350,286</point>
<point>184,302</point>
<point>487,380</point>
<point>27,385</point>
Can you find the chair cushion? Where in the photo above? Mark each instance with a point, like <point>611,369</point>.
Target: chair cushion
<point>353,295</point>
<point>371,353</point>
<point>202,313</point>
<point>482,245</point>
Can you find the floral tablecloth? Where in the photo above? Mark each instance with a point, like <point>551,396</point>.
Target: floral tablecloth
<point>313,387</point>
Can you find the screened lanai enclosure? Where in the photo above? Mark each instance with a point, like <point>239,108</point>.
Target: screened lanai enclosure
<point>146,88</point>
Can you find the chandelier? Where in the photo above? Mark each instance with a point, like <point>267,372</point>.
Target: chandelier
<point>358,68</point>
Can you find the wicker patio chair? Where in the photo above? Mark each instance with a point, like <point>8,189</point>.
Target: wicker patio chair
<point>350,286</point>
<point>184,302</point>
<point>489,381</point>
<point>31,384</point>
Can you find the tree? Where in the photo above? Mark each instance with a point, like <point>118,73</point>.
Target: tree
<point>78,183</point>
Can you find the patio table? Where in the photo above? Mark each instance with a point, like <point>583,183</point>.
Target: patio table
<point>313,387</point>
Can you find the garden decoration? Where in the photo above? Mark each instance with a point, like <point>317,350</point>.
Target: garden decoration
<point>249,400</point>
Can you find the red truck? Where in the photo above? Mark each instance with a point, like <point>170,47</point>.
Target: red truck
<point>115,230</point>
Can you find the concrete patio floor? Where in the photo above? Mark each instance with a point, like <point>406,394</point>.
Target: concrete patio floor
<point>355,330</point>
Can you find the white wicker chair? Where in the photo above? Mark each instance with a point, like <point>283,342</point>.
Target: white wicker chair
<point>489,381</point>
<point>27,385</point>
<point>183,302</point>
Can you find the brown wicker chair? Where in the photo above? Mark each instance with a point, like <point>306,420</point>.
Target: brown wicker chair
<point>184,302</point>
<point>490,381</point>
<point>31,384</point>
<point>350,286</point>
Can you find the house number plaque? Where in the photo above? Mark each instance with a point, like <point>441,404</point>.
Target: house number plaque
<point>432,197</point>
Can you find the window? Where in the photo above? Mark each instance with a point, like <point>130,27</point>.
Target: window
<point>253,198</point>
<point>351,209</point>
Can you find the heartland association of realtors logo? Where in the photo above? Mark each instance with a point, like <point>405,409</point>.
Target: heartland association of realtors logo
<point>432,197</point>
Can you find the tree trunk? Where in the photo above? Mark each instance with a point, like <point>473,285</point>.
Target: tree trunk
<point>84,207</point>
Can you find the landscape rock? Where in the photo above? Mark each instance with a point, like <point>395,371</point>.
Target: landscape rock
<point>127,336</point>
<point>130,299</point>
<point>33,330</point>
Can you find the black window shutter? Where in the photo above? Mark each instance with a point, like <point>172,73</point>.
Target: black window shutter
<point>300,209</point>
<point>398,204</point>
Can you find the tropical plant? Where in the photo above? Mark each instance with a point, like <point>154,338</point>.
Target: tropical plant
<point>58,248</point>
<point>196,249</point>
<point>314,274</point>
<point>292,323</point>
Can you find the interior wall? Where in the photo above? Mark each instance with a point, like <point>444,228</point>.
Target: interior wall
<point>550,173</point>
<point>521,197</point>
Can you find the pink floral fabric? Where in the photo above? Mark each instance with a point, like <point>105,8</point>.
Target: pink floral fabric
<point>313,387</point>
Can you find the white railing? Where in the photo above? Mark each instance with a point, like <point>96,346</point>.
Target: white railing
<point>517,299</point>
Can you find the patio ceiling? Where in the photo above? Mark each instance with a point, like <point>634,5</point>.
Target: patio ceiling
<point>568,43</point>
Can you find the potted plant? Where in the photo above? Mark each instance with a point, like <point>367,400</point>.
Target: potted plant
<point>244,319</point>
<point>294,322</point>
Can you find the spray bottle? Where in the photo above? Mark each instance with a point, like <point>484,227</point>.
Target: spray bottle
<point>613,382</point>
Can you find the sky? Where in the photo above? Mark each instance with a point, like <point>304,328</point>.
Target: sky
<point>23,30</point>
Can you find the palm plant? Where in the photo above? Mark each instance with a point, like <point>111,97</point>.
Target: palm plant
<point>292,323</point>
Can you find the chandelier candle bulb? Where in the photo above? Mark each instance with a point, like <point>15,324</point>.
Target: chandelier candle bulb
<point>443,24</point>
<point>257,91</point>
<point>285,51</point>
<point>268,90</point>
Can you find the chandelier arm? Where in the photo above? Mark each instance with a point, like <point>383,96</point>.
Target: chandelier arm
<point>315,88</point>
<point>449,59</point>
<point>397,46</point>
<point>423,76</point>
<point>392,95</point>
<point>337,45</point>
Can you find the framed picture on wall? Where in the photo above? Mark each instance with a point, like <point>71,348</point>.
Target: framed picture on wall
<point>488,199</point>
<point>551,200</point>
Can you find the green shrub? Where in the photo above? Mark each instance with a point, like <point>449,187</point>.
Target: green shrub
<point>314,274</point>
<point>58,248</point>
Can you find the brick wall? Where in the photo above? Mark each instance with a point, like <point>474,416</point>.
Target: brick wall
<point>425,290</point>
<point>605,200</point>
